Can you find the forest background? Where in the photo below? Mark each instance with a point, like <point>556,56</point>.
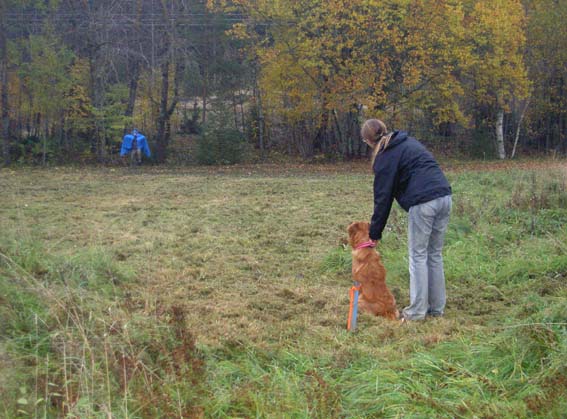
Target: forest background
<point>230,81</point>
<point>191,291</point>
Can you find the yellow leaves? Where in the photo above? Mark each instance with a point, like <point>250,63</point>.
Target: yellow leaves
<point>496,33</point>
<point>79,103</point>
<point>418,53</point>
<point>239,31</point>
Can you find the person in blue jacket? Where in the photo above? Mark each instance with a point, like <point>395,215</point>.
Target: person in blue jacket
<point>406,171</point>
<point>134,144</point>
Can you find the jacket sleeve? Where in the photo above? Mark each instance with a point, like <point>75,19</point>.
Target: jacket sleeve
<point>384,187</point>
<point>126,145</point>
<point>146,148</point>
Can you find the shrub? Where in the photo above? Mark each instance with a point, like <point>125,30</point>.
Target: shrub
<point>221,146</point>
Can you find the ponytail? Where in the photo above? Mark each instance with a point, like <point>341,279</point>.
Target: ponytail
<point>376,135</point>
<point>381,145</point>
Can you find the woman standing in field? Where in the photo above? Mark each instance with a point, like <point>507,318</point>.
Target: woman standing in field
<point>405,170</point>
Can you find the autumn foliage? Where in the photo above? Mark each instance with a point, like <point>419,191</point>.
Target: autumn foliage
<point>291,75</point>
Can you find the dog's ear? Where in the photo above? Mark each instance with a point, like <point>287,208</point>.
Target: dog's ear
<point>353,229</point>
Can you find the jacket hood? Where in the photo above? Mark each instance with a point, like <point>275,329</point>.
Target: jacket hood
<point>397,138</point>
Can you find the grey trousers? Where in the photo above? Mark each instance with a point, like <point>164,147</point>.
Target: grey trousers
<point>426,232</point>
<point>136,156</point>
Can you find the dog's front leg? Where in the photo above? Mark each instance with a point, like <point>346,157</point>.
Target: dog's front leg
<point>357,273</point>
<point>366,306</point>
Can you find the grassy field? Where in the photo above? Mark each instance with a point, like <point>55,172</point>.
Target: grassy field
<point>223,293</point>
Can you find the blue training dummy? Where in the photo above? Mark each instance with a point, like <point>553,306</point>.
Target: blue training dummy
<point>134,144</point>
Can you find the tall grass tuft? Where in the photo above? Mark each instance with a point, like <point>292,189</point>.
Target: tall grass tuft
<point>338,261</point>
<point>82,353</point>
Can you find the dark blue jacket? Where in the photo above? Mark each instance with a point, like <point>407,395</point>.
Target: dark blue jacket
<point>405,170</point>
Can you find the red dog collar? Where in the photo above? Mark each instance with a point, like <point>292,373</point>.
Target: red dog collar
<point>365,244</point>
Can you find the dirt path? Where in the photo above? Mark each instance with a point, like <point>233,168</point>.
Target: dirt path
<point>363,166</point>
<point>481,166</point>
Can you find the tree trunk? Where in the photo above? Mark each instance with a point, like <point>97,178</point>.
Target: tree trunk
<point>242,116</point>
<point>98,143</point>
<point>168,54</point>
<point>4,81</point>
<point>62,137</point>
<point>289,143</point>
<point>340,139</point>
<point>162,119</point>
<point>135,73</point>
<point>518,128</point>
<point>37,125</point>
<point>261,125</point>
<point>204,120</point>
<point>235,110</point>
<point>321,136</point>
<point>45,136</point>
<point>133,88</point>
<point>20,131</point>
<point>166,108</point>
<point>563,134</point>
<point>500,134</point>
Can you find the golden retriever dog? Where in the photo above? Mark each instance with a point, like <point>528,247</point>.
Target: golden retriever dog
<point>367,269</point>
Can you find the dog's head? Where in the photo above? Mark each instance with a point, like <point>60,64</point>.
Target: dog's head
<point>358,233</point>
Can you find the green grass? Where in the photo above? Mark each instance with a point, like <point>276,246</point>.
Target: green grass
<point>223,293</point>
